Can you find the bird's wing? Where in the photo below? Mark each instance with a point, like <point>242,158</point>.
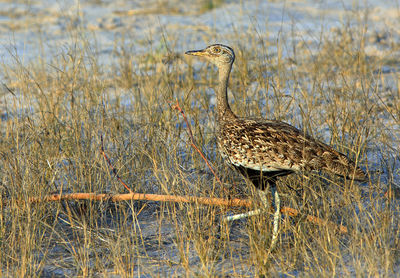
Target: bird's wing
<point>275,146</point>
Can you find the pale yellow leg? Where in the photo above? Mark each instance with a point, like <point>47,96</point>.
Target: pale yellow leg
<point>277,214</point>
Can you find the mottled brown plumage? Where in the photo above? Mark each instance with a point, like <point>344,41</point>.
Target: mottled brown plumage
<point>264,149</point>
<point>277,148</point>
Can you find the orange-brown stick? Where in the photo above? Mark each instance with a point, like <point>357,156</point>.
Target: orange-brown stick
<point>178,199</point>
<point>145,197</point>
<point>313,219</point>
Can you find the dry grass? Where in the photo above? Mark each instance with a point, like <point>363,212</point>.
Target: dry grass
<point>53,115</point>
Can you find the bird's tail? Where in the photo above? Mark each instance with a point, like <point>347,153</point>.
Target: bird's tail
<point>357,174</point>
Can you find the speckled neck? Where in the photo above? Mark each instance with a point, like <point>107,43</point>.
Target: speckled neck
<point>223,108</point>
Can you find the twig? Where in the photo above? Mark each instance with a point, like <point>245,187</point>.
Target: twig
<point>178,199</point>
<point>313,219</point>
<point>192,142</point>
<point>144,197</point>
<point>111,166</point>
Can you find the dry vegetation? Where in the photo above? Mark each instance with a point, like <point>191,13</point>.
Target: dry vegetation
<point>53,114</point>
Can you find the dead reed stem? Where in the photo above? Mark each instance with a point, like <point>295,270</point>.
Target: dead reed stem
<point>111,166</point>
<point>192,142</point>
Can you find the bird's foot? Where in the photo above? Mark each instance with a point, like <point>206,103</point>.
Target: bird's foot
<point>242,215</point>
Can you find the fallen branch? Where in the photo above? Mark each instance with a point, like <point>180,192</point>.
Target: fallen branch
<point>144,197</point>
<point>313,219</point>
<point>178,199</point>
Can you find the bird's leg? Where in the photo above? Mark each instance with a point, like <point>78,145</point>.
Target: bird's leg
<point>249,213</point>
<point>264,201</point>
<point>276,202</point>
<point>242,215</point>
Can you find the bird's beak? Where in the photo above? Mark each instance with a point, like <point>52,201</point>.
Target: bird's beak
<point>196,52</point>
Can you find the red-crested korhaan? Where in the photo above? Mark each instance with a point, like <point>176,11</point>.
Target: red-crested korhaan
<point>262,150</point>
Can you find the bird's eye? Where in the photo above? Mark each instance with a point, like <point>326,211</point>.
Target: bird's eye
<point>217,50</point>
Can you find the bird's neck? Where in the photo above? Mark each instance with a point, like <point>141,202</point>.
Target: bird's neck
<point>223,108</point>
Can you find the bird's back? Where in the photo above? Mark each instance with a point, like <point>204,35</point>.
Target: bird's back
<point>277,147</point>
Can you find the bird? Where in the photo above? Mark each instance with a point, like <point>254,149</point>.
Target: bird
<point>263,150</point>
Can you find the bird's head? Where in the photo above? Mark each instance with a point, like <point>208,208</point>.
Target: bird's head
<point>217,54</point>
